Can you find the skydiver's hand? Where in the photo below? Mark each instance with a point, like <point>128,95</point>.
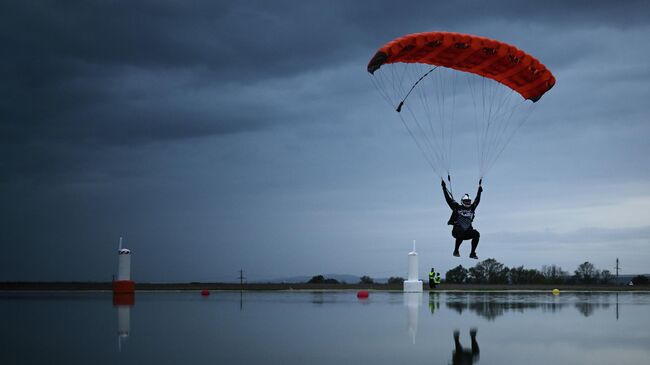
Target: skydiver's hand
<point>442,182</point>
<point>480,189</point>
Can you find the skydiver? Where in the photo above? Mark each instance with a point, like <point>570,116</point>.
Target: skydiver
<point>461,218</point>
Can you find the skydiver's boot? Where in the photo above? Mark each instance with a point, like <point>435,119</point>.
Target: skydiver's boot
<point>472,255</point>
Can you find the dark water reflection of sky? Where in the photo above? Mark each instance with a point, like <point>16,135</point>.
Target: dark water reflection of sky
<point>326,328</point>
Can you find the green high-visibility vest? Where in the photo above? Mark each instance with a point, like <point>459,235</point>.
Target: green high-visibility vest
<point>436,280</point>
<point>431,274</point>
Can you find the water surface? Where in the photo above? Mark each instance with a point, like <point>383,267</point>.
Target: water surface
<point>326,328</point>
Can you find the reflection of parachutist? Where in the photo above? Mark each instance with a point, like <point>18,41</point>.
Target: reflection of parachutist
<point>462,355</point>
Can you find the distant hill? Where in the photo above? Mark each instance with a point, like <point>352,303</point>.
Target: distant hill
<point>350,279</point>
<point>343,278</point>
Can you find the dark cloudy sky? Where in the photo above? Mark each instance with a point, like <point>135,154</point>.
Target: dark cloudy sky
<point>220,135</point>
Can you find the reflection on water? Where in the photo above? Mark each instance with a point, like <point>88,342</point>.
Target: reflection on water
<point>325,328</point>
<point>412,302</point>
<point>123,303</point>
<point>465,356</point>
<point>123,324</point>
<point>588,303</point>
<point>434,301</point>
<point>493,305</point>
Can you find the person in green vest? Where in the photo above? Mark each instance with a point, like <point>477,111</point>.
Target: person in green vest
<point>436,280</point>
<point>432,276</point>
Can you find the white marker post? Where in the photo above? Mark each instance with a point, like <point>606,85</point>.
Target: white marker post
<point>123,284</point>
<point>413,285</point>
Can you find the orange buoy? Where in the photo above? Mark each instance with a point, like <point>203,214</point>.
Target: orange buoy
<point>362,294</point>
<point>205,292</point>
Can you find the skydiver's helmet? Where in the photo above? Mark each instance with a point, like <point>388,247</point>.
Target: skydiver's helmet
<point>467,201</point>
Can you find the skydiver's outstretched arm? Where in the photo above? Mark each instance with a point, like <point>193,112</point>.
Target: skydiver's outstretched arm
<point>450,201</point>
<point>478,195</point>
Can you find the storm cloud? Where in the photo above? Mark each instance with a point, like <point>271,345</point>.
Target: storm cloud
<point>219,135</point>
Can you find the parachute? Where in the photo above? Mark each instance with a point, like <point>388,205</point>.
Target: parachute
<point>440,80</point>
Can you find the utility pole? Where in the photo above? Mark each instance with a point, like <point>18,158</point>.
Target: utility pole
<point>617,268</point>
<point>241,289</point>
<point>241,278</point>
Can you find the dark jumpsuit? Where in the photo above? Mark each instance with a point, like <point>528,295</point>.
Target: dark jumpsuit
<point>461,218</point>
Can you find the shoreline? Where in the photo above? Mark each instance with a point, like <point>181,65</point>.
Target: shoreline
<point>195,286</point>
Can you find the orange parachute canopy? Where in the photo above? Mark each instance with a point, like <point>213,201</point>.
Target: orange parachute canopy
<point>486,57</point>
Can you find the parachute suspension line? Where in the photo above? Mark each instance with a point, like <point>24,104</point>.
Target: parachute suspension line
<point>497,121</point>
<point>490,133</point>
<point>510,123</point>
<point>439,138</point>
<point>481,131</point>
<point>417,143</point>
<point>481,125</point>
<point>423,142</point>
<point>491,122</point>
<point>490,96</point>
<point>518,125</point>
<point>439,122</point>
<point>477,89</point>
<point>440,98</point>
<point>384,84</point>
<point>393,83</point>
<point>485,119</point>
<point>427,137</point>
<point>472,91</point>
<point>423,123</point>
<point>399,107</point>
<point>502,122</point>
<point>378,83</point>
<point>428,131</point>
<point>453,117</point>
<point>443,123</point>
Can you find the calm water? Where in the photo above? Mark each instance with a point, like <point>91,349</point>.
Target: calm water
<point>326,328</point>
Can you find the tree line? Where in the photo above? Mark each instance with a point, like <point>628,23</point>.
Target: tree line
<point>491,271</point>
<point>320,279</point>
